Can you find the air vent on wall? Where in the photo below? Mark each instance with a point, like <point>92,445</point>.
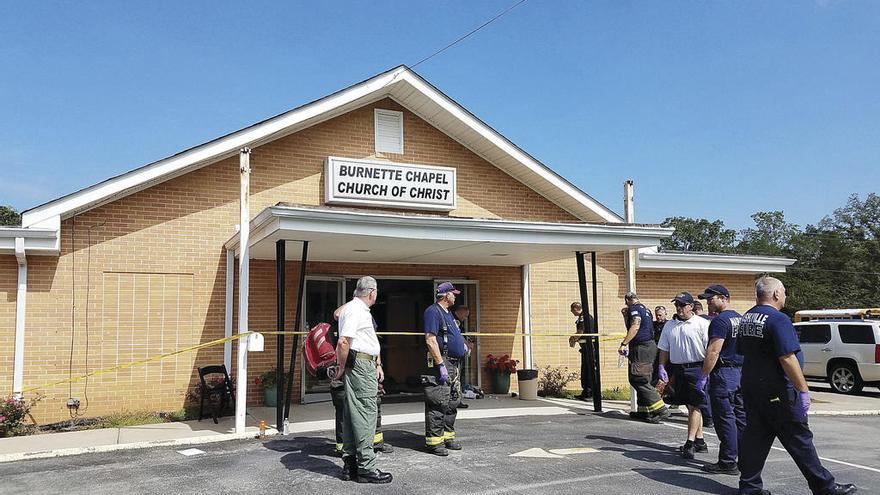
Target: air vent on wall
<point>389,131</point>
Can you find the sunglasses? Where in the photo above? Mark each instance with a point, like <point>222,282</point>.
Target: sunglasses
<point>681,305</point>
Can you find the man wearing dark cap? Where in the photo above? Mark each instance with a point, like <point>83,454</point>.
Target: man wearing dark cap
<point>446,347</point>
<point>683,347</point>
<point>638,344</point>
<point>723,367</point>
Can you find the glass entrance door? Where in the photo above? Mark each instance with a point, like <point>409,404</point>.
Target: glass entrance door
<point>322,296</point>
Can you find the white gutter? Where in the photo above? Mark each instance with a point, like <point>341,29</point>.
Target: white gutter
<point>243,286</point>
<point>650,260</point>
<point>20,311</point>
<point>527,316</point>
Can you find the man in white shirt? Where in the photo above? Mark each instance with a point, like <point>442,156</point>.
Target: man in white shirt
<point>357,353</point>
<point>683,348</point>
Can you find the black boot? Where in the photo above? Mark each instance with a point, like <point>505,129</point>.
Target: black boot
<point>349,468</point>
<point>375,477</point>
<point>838,489</point>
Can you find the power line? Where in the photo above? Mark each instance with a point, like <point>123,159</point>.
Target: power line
<point>808,269</point>
<point>462,38</point>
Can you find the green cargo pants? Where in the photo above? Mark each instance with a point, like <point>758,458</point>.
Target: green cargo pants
<point>337,394</point>
<point>359,424</point>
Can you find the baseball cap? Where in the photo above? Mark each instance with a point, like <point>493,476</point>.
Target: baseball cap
<point>447,287</point>
<point>684,298</point>
<point>714,290</point>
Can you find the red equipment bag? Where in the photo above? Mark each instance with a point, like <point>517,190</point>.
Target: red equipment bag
<point>318,352</point>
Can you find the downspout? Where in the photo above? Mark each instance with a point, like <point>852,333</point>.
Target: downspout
<point>20,309</point>
<point>243,286</point>
<point>527,316</point>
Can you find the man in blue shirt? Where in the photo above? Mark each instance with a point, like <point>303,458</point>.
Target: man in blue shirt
<point>723,369</point>
<point>446,347</point>
<point>776,395</point>
<point>639,346</point>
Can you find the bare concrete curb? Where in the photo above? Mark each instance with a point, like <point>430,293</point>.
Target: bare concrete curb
<point>204,439</point>
<point>308,426</point>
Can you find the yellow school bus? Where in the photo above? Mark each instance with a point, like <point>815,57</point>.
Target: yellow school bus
<point>837,314</point>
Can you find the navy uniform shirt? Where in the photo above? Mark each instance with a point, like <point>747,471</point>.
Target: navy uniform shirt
<point>646,329</point>
<point>764,335</point>
<point>724,326</point>
<point>435,318</point>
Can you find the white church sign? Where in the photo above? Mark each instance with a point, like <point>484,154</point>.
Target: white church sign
<point>395,185</point>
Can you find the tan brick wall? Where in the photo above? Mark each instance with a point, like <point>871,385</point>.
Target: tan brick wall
<point>88,309</point>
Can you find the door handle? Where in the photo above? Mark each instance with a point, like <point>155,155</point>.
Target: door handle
<point>826,349</point>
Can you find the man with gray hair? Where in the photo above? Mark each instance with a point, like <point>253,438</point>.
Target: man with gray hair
<point>357,353</point>
<point>776,395</point>
<point>639,346</point>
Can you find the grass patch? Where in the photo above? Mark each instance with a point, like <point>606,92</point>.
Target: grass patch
<point>127,418</point>
<point>616,393</point>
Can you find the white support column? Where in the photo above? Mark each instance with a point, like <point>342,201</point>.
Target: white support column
<point>527,316</point>
<point>629,217</point>
<point>20,311</point>
<point>243,286</point>
<point>630,264</point>
<point>230,286</point>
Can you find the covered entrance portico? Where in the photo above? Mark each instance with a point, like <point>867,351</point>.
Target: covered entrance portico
<point>342,244</point>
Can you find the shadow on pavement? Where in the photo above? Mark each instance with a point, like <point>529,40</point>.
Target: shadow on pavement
<point>307,453</point>
<point>651,452</point>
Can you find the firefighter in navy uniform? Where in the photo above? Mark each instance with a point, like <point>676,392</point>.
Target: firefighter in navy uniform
<point>722,367</point>
<point>776,395</point>
<point>446,348</point>
<point>638,345</point>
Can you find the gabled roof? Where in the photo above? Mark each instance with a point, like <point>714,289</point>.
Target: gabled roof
<point>402,85</point>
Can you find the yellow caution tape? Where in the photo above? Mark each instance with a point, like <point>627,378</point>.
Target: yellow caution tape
<point>245,334</point>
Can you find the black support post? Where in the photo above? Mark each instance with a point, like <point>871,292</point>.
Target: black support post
<point>589,348</point>
<point>280,258</point>
<point>597,372</point>
<point>297,322</point>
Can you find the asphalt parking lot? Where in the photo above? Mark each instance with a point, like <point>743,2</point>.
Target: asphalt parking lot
<point>594,453</point>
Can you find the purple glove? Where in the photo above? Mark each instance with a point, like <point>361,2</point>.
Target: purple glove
<point>805,402</point>
<point>701,382</point>
<point>444,375</point>
<point>661,373</point>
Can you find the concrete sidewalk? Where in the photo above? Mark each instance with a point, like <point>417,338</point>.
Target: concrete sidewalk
<point>319,417</point>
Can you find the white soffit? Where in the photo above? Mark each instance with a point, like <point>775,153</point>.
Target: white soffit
<point>392,238</point>
<point>649,260</point>
<point>400,84</point>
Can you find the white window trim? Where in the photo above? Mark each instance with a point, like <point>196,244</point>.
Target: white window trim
<point>392,113</point>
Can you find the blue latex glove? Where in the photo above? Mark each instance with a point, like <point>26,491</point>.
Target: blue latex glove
<point>702,381</point>
<point>623,350</point>
<point>661,373</point>
<point>805,402</point>
<point>444,374</point>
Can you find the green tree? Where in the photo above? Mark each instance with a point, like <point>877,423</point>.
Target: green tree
<point>698,235</point>
<point>772,235</point>
<point>9,216</point>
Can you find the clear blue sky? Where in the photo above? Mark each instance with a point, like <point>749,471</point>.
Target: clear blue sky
<point>715,109</point>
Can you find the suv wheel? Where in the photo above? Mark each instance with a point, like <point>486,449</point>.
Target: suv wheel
<point>844,378</point>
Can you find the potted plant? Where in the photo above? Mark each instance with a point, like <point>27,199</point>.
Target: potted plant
<point>269,380</point>
<point>499,369</point>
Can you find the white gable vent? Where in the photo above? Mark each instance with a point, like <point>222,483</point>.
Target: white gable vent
<point>389,131</point>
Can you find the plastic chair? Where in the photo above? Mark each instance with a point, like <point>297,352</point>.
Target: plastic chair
<point>215,391</point>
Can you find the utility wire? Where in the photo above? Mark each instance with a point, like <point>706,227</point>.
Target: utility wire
<point>462,38</point>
